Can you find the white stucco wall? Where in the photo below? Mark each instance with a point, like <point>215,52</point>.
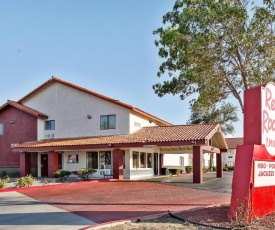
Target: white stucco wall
<point>229,157</point>
<point>69,108</point>
<point>206,160</point>
<point>40,129</point>
<point>137,122</point>
<point>174,160</point>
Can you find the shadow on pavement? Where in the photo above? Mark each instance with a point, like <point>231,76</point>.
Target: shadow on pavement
<point>211,182</point>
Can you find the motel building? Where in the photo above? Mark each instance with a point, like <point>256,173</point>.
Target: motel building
<point>62,126</point>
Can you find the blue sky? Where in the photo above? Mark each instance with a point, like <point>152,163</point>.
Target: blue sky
<point>104,45</point>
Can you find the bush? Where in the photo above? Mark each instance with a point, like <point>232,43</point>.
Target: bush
<point>225,168</point>
<point>3,175</point>
<point>188,169</point>
<point>205,170</point>
<point>62,174</point>
<point>230,168</point>
<point>4,182</point>
<point>84,174</point>
<point>26,181</point>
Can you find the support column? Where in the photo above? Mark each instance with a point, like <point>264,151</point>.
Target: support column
<point>118,164</point>
<point>219,163</point>
<point>25,164</point>
<point>52,163</point>
<point>197,164</point>
<point>160,164</point>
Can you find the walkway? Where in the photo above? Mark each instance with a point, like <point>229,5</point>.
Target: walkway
<point>111,201</point>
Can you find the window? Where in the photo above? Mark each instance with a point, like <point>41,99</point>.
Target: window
<point>230,151</point>
<point>92,160</point>
<point>50,125</point>
<point>135,160</point>
<point>107,122</point>
<point>142,160</point>
<point>149,160</point>
<point>1,129</point>
<point>105,159</point>
<point>181,161</point>
<point>230,156</point>
<point>73,158</point>
<point>60,161</point>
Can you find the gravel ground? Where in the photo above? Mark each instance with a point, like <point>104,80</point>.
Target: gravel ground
<point>206,218</point>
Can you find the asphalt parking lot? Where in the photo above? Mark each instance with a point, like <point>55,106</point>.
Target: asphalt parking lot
<point>88,204</point>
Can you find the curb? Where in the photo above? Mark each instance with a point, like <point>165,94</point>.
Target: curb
<point>51,185</point>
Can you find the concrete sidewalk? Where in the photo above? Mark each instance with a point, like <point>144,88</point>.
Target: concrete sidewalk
<point>22,212</point>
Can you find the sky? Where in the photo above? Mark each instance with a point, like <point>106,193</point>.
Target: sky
<point>106,46</point>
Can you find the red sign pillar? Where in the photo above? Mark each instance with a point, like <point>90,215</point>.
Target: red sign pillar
<point>253,186</point>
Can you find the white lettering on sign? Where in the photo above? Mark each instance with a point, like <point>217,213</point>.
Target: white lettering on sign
<point>268,117</point>
<point>264,173</point>
<point>14,145</point>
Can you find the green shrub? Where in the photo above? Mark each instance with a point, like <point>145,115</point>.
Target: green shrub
<point>214,168</point>
<point>230,168</point>
<point>4,182</point>
<point>62,174</point>
<point>26,181</point>
<point>225,168</point>
<point>84,174</point>
<point>188,169</point>
<point>3,175</point>
<point>205,170</point>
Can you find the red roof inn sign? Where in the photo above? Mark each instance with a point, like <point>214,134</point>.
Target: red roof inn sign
<point>253,186</point>
<point>268,117</point>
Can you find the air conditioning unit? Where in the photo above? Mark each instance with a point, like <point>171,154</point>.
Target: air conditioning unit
<point>49,136</point>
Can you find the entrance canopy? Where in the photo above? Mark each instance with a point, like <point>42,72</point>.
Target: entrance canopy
<point>177,137</point>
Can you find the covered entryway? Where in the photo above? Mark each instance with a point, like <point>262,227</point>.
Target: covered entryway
<point>192,139</point>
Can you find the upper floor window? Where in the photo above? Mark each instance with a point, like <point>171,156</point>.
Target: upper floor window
<point>107,121</point>
<point>1,129</point>
<point>50,125</point>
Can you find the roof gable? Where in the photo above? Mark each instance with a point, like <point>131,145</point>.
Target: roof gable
<point>117,102</point>
<point>24,108</point>
<point>234,142</point>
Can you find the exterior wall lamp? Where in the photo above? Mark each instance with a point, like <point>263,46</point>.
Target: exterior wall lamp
<point>11,121</point>
<point>89,116</point>
<point>193,142</point>
<point>110,145</point>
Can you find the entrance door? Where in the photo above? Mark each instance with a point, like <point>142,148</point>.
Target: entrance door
<point>44,165</point>
<point>156,163</point>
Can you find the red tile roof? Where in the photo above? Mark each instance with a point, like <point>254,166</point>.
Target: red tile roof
<point>146,135</point>
<point>232,143</point>
<point>130,107</point>
<point>25,109</point>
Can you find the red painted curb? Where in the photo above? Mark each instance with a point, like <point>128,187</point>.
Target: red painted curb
<point>51,185</point>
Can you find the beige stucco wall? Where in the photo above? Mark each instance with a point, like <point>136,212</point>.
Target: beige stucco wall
<point>69,108</point>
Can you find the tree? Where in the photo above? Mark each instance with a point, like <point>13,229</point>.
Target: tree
<point>215,49</point>
<point>225,115</point>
